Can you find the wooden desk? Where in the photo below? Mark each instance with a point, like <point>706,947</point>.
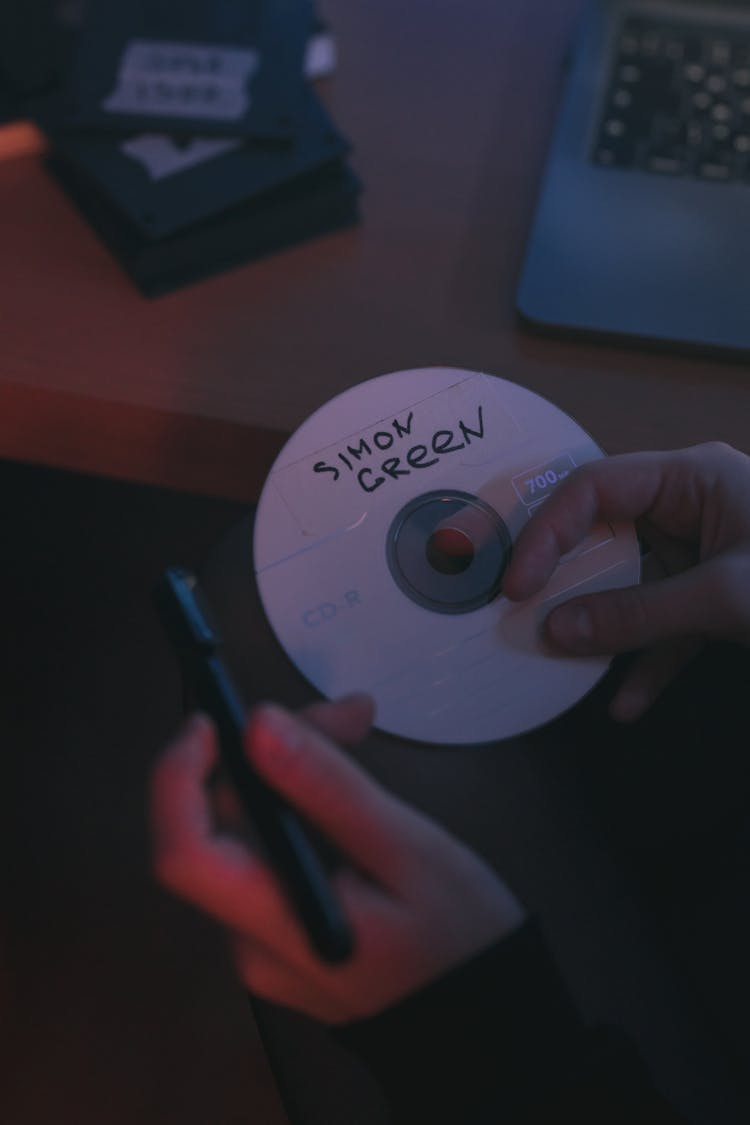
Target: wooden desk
<point>593,824</point>
<point>450,107</point>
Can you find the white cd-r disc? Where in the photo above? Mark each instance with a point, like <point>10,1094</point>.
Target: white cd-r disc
<point>381,538</point>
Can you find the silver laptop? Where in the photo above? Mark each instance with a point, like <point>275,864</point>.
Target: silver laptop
<point>642,228</point>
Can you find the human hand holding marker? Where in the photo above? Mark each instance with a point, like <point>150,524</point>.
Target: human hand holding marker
<point>419,900</point>
<point>283,835</point>
<point>692,507</point>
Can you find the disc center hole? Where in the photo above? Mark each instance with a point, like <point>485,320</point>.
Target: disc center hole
<point>449,551</point>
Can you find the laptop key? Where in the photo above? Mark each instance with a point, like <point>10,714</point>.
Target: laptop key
<point>695,73</point>
<point>696,134</point>
<point>630,73</point>
<point>720,52</point>
<point>716,83</point>
<point>679,102</point>
<point>622,98</point>
<point>667,165</point>
<point>714,171</point>
<point>693,47</point>
<point>702,101</point>
<point>615,155</point>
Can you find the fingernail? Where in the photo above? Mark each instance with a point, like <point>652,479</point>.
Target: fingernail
<point>275,735</point>
<point>358,699</point>
<point>194,735</point>
<point>571,627</point>
<point>195,723</point>
<point>355,697</point>
<point>192,727</point>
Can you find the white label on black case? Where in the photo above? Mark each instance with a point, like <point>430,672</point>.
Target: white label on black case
<point>183,80</point>
<point>161,157</point>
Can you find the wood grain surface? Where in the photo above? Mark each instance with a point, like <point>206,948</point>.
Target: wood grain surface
<point>449,106</point>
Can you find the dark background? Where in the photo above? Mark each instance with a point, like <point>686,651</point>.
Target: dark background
<point>117,1004</point>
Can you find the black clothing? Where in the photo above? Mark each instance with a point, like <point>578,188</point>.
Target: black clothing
<point>498,1041</point>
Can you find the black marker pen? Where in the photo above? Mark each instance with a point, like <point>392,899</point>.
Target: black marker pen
<point>183,614</point>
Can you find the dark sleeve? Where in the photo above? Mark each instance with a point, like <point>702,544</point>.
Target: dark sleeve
<point>498,1040</point>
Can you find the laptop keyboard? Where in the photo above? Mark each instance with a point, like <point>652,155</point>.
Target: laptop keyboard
<point>678,102</point>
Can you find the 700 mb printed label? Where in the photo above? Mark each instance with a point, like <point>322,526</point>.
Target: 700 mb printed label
<point>537,483</point>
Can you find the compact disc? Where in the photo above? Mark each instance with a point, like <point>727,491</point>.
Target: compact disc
<point>381,538</point>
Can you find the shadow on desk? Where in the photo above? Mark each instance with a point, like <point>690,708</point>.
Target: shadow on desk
<point>118,1004</point>
<point>631,843</point>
